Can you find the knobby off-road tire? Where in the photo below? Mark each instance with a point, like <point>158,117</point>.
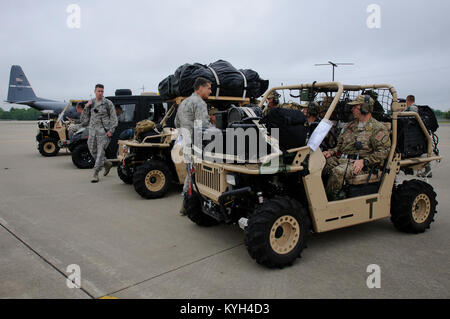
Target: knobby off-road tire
<point>124,174</point>
<point>277,232</point>
<point>193,207</point>
<point>82,158</point>
<point>152,179</point>
<point>48,147</point>
<point>413,206</point>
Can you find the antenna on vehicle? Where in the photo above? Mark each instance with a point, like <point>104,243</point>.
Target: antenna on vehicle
<point>334,65</point>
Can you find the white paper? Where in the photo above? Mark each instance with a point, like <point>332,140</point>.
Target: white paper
<point>319,134</point>
<point>179,140</point>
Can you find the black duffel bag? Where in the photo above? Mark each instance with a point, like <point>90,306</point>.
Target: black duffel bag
<point>428,117</point>
<point>290,124</point>
<point>225,80</point>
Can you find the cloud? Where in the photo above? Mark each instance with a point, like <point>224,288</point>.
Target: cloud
<point>136,43</point>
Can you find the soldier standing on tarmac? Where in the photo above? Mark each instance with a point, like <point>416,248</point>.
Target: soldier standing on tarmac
<point>100,115</point>
<point>192,109</point>
<point>411,104</point>
<point>412,107</point>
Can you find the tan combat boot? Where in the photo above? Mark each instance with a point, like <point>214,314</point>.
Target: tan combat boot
<point>95,178</point>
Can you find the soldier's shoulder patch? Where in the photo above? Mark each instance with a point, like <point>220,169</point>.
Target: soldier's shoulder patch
<point>380,135</point>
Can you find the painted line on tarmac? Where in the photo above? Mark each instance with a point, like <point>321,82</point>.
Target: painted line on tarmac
<point>175,269</point>
<point>43,258</point>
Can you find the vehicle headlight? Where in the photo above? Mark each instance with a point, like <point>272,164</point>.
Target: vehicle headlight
<point>231,179</point>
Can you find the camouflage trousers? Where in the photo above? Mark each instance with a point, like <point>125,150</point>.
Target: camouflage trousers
<point>336,169</point>
<point>97,143</point>
<point>186,180</point>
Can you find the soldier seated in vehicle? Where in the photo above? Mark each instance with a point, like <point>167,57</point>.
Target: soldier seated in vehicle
<point>273,101</point>
<point>212,115</point>
<point>76,124</point>
<point>364,145</point>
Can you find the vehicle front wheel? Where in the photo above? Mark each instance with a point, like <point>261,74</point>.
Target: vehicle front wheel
<point>125,174</point>
<point>413,206</point>
<point>152,179</point>
<point>48,147</point>
<point>193,207</point>
<point>277,232</point>
<point>82,158</point>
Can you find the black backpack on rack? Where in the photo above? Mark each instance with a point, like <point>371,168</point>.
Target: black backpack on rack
<point>428,117</point>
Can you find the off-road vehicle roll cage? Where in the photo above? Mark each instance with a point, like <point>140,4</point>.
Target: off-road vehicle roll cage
<point>280,199</point>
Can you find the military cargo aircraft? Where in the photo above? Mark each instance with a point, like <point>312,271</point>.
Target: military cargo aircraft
<point>21,92</point>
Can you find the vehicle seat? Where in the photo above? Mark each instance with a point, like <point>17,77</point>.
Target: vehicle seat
<point>362,179</point>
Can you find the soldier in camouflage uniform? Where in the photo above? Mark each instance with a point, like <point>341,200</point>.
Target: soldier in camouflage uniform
<point>364,144</point>
<point>192,109</point>
<point>212,115</point>
<point>76,124</point>
<point>411,104</point>
<point>273,101</point>
<point>100,115</point>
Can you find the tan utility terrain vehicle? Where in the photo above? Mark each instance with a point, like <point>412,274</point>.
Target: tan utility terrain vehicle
<point>280,200</point>
<point>53,133</point>
<point>153,163</point>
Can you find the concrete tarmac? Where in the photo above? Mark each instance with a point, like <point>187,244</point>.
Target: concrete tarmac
<point>51,217</point>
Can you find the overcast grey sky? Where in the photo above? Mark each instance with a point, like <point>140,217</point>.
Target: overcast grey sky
<point>128,44</point>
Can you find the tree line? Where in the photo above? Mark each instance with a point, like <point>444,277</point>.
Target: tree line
<point>442,115</point>
<point>28,114</point>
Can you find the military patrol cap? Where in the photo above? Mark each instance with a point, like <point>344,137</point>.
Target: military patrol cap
<point>365,101</point>
<point>273,94</point>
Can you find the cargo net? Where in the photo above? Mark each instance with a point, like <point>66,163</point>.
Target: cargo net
<point>318,102</point>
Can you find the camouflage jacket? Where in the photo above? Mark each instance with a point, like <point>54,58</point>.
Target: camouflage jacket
<point>374,138</point>
<point>191,109</point>
<point>412,108</point>
<point>104,119</point>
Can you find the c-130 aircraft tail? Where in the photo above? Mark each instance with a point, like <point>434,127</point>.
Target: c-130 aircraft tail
<point>21,92</point>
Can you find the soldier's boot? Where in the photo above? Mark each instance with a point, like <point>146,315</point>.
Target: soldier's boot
<point>182,210</point>
<point>108,166</point>
<point>183,204</point>
<point>95,178</point>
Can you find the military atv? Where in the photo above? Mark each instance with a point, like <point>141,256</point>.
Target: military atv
<point>280,199</point>
<point>53,132</point>
<point>154,161</point>
<point>135,108</point>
